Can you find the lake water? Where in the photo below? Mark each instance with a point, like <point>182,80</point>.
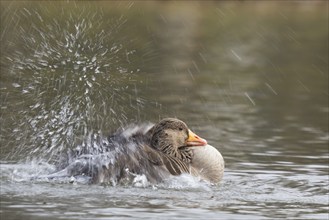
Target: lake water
<point>251,78</point>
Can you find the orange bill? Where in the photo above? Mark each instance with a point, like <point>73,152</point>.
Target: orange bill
<point>195,140</point>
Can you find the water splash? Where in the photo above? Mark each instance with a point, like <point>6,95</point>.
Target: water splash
<point>71,77</point>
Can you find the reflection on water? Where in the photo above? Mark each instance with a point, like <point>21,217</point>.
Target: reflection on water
<point>252,78</point>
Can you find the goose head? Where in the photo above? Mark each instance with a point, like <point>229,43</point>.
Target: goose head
<point>172,136</point>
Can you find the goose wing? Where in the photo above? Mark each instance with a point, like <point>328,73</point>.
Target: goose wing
<point>174,165</point>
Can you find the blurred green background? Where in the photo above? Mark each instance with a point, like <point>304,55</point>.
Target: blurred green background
<point>231,69</point>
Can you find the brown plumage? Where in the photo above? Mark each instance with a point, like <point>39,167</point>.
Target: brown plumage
<point>157,152</point>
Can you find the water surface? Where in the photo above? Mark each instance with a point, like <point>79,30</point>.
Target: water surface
<point>251,78</point>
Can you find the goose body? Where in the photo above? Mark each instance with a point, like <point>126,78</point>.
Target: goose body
<point>155,151</point>
<point>207,163</point>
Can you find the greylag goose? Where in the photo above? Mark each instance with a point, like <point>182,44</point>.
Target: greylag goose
<point>156,151</point>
